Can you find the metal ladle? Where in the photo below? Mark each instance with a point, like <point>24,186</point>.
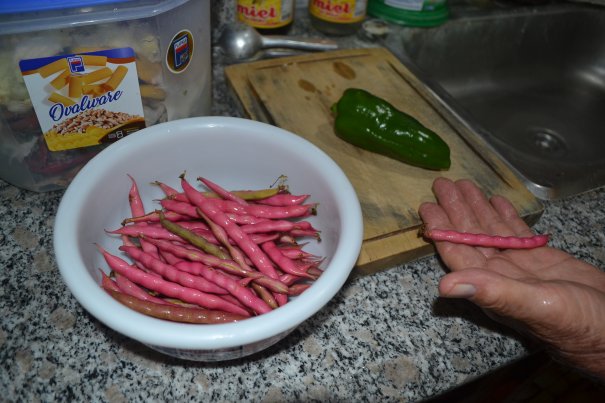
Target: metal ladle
<point>240,42</point>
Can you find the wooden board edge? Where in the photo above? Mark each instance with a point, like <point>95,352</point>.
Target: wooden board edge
<point>241,92</point>
<point>533,217</point>
<point>403,247</point>
<point>305,58</point>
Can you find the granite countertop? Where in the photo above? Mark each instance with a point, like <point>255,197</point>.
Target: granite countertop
<point>385,337</point>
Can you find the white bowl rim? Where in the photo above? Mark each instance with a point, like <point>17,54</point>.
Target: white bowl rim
<point>202,337</point>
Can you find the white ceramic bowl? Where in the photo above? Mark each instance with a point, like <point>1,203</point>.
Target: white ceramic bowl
<point>235,153</point>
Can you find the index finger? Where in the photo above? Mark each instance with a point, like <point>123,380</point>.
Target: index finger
<point>489,218</point>
<point>454,204</point>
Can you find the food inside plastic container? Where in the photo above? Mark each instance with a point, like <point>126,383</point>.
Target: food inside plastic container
<point>76,76</point>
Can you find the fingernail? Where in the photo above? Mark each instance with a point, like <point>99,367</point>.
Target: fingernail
<point>461,291</point>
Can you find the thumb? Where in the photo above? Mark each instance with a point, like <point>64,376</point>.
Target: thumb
<point>499,294</point>
<point>568,316</point>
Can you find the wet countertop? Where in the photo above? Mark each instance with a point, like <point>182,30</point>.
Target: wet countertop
<point>385,337</point>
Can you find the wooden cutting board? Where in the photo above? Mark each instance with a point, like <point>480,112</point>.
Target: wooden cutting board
<point>296,93</point>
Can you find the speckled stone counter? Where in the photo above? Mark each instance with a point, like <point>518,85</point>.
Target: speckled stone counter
<point>385,337</point>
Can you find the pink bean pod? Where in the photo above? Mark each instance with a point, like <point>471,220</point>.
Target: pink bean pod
<point>302,233</point>
<point>262,238</point>
<point>194,255</point>
<point>210,208</point>
<point>127,242</point>
<point>184,206</point>
<point>176,313</point>
<point>195,268</point>
<point>138,209</point>
<point>223,193</point>
<point>243,219</point>
<point>235,301</point>
<point>289,279</point>
<point>484,240</point>
<point>155,230</point>
<point>284,263</point>
<point>257,194</point>
<point>315,271</point>
<point>243,294</point>
<point>134,199</point>
<point>265,295</point>
<point>171,273</point>
<point>243,194</point>
<point>277,226</point>
<point>265,211</point>
<point>128,287</point>
<point>287,239</point>
<point>108,283</point>
<point>221,234</point>
<point>154,217</point>
<point>298,289</point>
<point>147,231</point>
<point>168,190</point>
<point>181,207</point>
<point>174,244</point>
<point>169,288</point>
<point>180,197</point>
<point>283,199</point>
<point>193,225</point>
<point>169,258</point>
<point>297,253</point>
<point>200,269</point>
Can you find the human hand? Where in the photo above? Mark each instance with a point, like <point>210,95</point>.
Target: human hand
<point>544,291</point>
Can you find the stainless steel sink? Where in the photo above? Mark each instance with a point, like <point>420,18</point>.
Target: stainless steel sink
<point>529,80</point>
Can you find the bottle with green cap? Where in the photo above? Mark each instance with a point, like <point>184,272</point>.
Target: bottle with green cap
<point>416,13</point>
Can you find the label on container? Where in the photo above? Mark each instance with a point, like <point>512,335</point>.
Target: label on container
<point>180,52</point>
<point>265,13</point>
<point>414,5</point>
<point>339,11</point>
<point>85,99</point>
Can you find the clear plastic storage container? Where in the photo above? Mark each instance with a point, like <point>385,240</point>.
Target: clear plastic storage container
<point>77,75</point>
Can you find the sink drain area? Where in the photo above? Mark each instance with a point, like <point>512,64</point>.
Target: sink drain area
<point>547,142</point>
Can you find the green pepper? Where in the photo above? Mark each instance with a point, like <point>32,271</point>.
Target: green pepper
<point>373,124</point>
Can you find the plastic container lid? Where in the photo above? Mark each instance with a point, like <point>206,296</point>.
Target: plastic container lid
<point>25,6</point>
<point>38,15</point>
